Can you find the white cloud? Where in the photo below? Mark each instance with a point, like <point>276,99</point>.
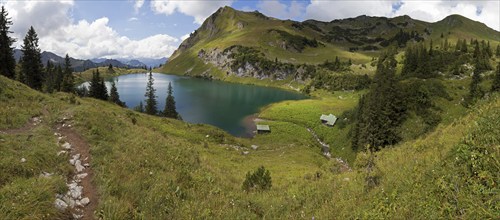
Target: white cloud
<point>430,11</point>
<point>89,40</point>
<point>133,19</point>
<point>44,16</point>
<point>277,9</point>
<point>198,9</point>
<point>138,5</point>
<point>433,11</point>
<point>184,37</point>
<point>329,10</point>
<point>58,33</point>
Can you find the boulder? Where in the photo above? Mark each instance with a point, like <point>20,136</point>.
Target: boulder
<point>60,204</point>
<point>66,146</point>
<point>85,201</point>
<point>23,160</point>
<point>78,166</point>
<point>255,147</point>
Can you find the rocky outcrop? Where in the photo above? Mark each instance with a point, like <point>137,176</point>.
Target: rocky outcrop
<point>248,62</point>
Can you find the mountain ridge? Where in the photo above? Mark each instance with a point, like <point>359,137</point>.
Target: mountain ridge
<point>310,42</point>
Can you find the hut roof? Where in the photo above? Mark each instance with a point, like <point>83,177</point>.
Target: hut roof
<point>263,128</point>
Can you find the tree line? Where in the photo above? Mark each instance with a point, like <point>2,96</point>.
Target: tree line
<point>380,113</point>
<point>32,72</point>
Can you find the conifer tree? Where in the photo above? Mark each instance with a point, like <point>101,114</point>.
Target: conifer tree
<point>114,97</point>
<point>150,95</point>
<point>475,91</point>
<point>50,75</point>
<point>497,54</point>
<point>463,47</point>
<point>170,110</point>
<point>97,87</point>
<point>495,87</point>
<point>59,74</point>
<point>140,107</point>
<point>446,44</point>
<point>7,61</point>
<point>31,63</point>
<point>67,84</point>
<point>382,108</point>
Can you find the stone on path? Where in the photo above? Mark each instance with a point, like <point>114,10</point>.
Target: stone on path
<point>66,146</point>
<point>60,204</point>
<point>78,166</point>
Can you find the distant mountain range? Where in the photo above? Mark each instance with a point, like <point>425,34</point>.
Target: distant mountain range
<point>81,65</point>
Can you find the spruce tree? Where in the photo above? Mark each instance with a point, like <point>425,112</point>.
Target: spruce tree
<point>58,78</point>
<point>140,107</point>
<point>495,87</point>
<point>114,97</point>
<point>463,47</point>
<point>31,63</point>
<point>97,87</point>
<point>497,54</point>
<point>382,108</point>
<point>103,91</point>
<point>50,75</point>
<point>150,95</point>
<point>7,61</point>
<point>68,83</point>
<point>170,110</point>
<point>475,91</point>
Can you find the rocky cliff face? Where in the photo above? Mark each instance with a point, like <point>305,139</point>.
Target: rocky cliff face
<point>230,61</point>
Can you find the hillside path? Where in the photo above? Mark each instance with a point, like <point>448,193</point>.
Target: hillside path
<point>83,175</point>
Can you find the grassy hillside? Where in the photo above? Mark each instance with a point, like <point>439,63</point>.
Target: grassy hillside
<point>156,168</point>
<point>104,72</point>
<point>310,42</point>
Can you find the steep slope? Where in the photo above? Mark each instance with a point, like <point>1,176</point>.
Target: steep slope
<point>233,44</point>
<point>154,168</point>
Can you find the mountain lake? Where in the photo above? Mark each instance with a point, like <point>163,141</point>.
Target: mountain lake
<point>222,104</point>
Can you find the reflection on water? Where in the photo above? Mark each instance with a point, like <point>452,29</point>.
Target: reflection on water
<point>221,104</point>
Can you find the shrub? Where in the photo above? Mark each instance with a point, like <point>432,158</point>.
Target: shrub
<point>259,180</point>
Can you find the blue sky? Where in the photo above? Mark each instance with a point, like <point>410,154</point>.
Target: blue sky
<point>152,29</point>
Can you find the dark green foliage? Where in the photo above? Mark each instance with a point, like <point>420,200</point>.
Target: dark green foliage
<point>50,77</point>
<point>114,97</point>
<point>7,61</point>
<point>337,65</point>
<point>31,63</point>
<point>417,62</point>
<point>475,90</point>
<point>336,82</point>
<point>97,88</point>
<point>497,54</point>
<point>150,95</point>
<point>382,108</point>
<point>139,108</point>
<point>170,110</point>
<point>68,81</point>
<point>495,86</point>
<point>295,42</point>
<point>401,38</point>
<point>258,180</point>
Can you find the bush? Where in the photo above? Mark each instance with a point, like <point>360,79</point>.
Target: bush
<point>259,180</point>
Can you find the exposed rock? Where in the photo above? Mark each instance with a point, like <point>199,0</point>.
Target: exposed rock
<point>66,146</point>
<point>61,152</point>
<point>255,147</point>
<point>23,160</point>
<point>86,165</point>
<point>60,204</point>
<point>73,160</point>
<point>76,191</point>
<point>245,152</point>
<point>76,216</point>
<point>81,176</point>
<point>78,166</point>
<point>85,201</point>
<point>46,175</point>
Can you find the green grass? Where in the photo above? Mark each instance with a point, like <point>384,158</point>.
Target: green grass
<point>104,72</point>
<point>159,168</point>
